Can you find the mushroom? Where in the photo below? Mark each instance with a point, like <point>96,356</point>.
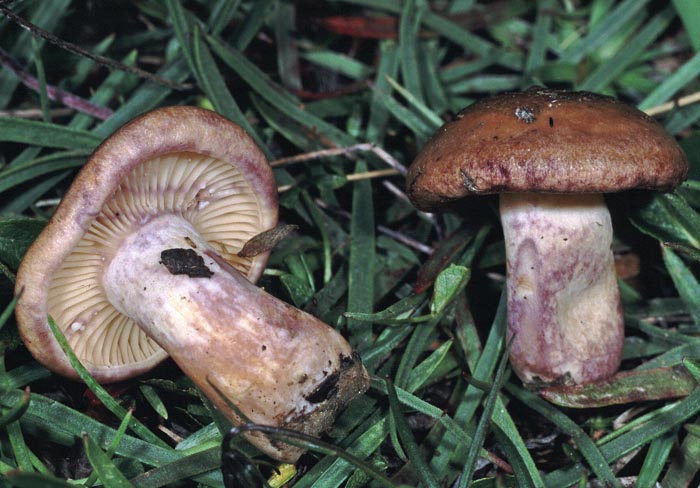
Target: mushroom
<point>551,155</point>
<point>140,261</point>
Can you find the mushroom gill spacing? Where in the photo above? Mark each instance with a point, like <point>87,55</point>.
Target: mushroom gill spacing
<point>203,190</point>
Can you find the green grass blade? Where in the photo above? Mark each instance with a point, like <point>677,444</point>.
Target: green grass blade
<point>102,394</point>
<point>387,67</point>
<point>611,69</point>
<point>423,471</point>
<point>585,444</point>
<point>454,32</point>
<point>184,468</point>
<point>288,66</point>
<point>19,447</point>
<point>222,14</point>
<point>116,82</point>
<point>181,25</point>
<point>146,97</point>
<point>685,464</point>
<point>57,423</point>
<point>689,12</point>
<point>106,470</point>
<point>669,218</point>
<point>36,168</point>
<point>112,446</point>
<point>13,414</point>
<point>540,37</point>
<point>655,460</point>
<point>685,281</point>
<point>422,372</point>
<point>45,134</point>
<point>339,63</point>
<point>41,79</point>
<point>416,123</point>
<point>432,119</point>
<point>252,22</point>
<point>21,479</point>
<point>516,451</point>
<point>413,351</point>
<point>362,258</point>
<point>334,474</point>
<point>451,449</point>
<point>408,46</point>
<point>262,85</point>
<point>615,21</point>
<point>154,400</point>
<point>16,235</point>
<point>656,426</point>
<point>483,424</point>
<point>216,89</point>
<point>47,15</point>
<point>673,84</point>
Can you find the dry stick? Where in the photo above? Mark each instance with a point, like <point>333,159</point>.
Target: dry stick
<point>395,190</point>
<point>668,106</point>
<point>384,230</point>
<point>378,173</point>
<point>54,93</point>
<point>36,113</point>
<point>37,31</point>
<point>171,434</point>
<point>343,151</point>
<point>419,246</point>
<point>397,168</point>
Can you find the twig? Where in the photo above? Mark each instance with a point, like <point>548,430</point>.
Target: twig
<point>404,239</point>
<point>668,106</point>
<point>343,151</point>
<point>171,434</point>
<point>54,93</point>
<point>366,175</point>
<point>49,202</point>
<point>379,173</point>
<point>396,169</point>
<point>395,190</point>
<point>37,31</point>
<point>35,113</point>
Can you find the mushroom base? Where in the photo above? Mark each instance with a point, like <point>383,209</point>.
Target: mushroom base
<point>564,315</point>
<point>278,365</point>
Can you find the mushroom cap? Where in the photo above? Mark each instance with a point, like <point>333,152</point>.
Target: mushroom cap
<point>182,160</point>
<point>543,140</point>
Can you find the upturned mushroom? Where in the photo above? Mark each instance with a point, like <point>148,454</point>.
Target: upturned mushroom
<point>140,261</point>
<point>552,155</point>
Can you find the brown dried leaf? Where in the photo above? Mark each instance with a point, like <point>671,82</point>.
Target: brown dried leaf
<point>265,241</point>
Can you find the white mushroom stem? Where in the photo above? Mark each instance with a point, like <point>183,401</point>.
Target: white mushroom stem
<point>278,365</point>
<point>564,313</point>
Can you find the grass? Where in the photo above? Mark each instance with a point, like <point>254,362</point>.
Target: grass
<point>419,296</point>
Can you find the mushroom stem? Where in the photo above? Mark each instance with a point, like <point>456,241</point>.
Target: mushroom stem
<point>278,365</point>
<point>564,313</point>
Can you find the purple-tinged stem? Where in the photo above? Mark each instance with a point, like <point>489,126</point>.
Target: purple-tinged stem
<point>564,312</point>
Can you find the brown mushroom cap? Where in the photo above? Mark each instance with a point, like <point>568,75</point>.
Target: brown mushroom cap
<point>544,140</point>
<point>182,160</point>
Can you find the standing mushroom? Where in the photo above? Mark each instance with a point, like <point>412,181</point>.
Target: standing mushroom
<point>140,261</point>
<point>552,154</point>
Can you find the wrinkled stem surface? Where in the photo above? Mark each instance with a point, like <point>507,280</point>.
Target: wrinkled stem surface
<point>564,313</point>
<point>278,365</point>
